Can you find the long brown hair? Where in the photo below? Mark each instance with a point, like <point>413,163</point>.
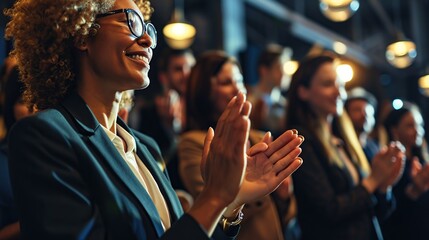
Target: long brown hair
<point>299,113</point>
<point>200,110</point>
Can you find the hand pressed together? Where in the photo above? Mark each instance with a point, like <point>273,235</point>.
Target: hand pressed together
<point>269,163</point>
<point>387,166</point>
<point>232,176</point>
<point>419,178</point>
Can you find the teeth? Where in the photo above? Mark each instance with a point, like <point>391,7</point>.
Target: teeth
<point>139,57</point>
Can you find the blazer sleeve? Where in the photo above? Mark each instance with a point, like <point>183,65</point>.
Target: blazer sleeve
<point>316,195</point>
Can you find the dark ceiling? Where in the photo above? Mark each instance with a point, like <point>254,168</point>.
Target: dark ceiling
<point>367,32</point>
<point>243,27</point>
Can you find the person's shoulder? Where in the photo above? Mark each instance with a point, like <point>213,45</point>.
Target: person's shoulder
<point>193,135</point>
<point>48,116</point>
<point>256,135</point>
<point>44,121</point>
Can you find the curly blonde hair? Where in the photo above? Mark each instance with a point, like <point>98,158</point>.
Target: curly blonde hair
<point>44,33</point>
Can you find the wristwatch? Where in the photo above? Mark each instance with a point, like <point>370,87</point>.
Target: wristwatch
<point>226,224</point>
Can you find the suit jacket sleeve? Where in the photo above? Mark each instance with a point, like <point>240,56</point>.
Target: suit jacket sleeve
<point>316,194</point>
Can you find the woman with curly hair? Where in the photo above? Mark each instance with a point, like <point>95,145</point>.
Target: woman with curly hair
<point>77,170</point>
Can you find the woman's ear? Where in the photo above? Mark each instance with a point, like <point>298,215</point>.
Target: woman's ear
<point>81,43</point>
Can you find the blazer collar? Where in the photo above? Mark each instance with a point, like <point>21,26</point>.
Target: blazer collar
<point>81,113</point>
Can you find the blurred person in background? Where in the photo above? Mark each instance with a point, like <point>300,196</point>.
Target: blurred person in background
<point>168,107</point>
<point>410,219</point>
<point>14,110</point>
<point>167,110</point>
<point>215,79</point>
<point>336,187</point>
<point>361,106</point>
<point>267,100</point>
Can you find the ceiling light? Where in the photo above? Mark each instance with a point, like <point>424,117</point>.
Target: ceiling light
<point>339,47</point>
<point>345,72</point>
<point>290,67</point>
<point>397,104</point>
<point>338,10</point>
<point>401,53</point>
<point>424,84</point>
<point>178,33</point>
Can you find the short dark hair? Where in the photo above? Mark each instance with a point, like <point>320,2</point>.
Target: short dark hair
<point>270,54</point>
<point>361,94</point>
<point>168,53</point>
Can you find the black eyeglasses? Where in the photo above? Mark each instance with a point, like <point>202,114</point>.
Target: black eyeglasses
<point>136,24</point>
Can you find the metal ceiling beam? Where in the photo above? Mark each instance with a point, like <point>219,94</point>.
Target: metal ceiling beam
<point>310,31</point>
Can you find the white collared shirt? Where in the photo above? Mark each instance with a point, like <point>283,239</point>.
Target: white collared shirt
<point>141,172</point>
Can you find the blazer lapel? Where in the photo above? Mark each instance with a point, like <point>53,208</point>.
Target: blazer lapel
<point>149,157</point>
<point>91,127</point>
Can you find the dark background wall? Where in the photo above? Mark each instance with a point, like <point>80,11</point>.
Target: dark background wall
<point>243,27</point>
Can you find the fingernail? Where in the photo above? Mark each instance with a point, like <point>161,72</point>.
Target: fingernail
<point>294,131</point>
<point>302,138</point>
<point>300,160</point>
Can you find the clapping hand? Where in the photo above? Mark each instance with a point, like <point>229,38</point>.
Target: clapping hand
<point>223,163</point>
<point>388,165</point>
<point>420,179</point>
<point>269,163</point>
<point>224,157</point>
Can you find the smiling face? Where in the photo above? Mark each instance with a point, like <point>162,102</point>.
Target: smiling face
<point>225,85</point>
<point>178,70</point>
<point>362,115</point>
<point>275,72</point>
<point>409,130</point>
<point>114,58</point>
<point>325,93</point>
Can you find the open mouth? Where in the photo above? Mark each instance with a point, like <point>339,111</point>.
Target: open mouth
<point>139,58</point>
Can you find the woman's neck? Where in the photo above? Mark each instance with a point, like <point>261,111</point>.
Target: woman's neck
<point>104,107</point>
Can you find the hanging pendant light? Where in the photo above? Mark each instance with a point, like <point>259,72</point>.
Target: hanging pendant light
<point>402,52</point>
<point>424,83</point>
<point>179,34</point>
<point>338,10</point>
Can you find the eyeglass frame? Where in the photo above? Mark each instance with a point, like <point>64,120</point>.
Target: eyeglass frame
<point>145,25</point>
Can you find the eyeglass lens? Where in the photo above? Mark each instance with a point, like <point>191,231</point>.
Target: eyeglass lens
<point>138,27</point>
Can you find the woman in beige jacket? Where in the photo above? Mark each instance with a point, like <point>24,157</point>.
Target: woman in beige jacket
<point>214,80</point>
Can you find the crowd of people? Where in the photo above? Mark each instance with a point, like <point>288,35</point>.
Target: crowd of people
<point>208,157</point>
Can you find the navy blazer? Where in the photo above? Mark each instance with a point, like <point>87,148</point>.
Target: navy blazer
<point>330,206</point>
<point>70,182</point>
